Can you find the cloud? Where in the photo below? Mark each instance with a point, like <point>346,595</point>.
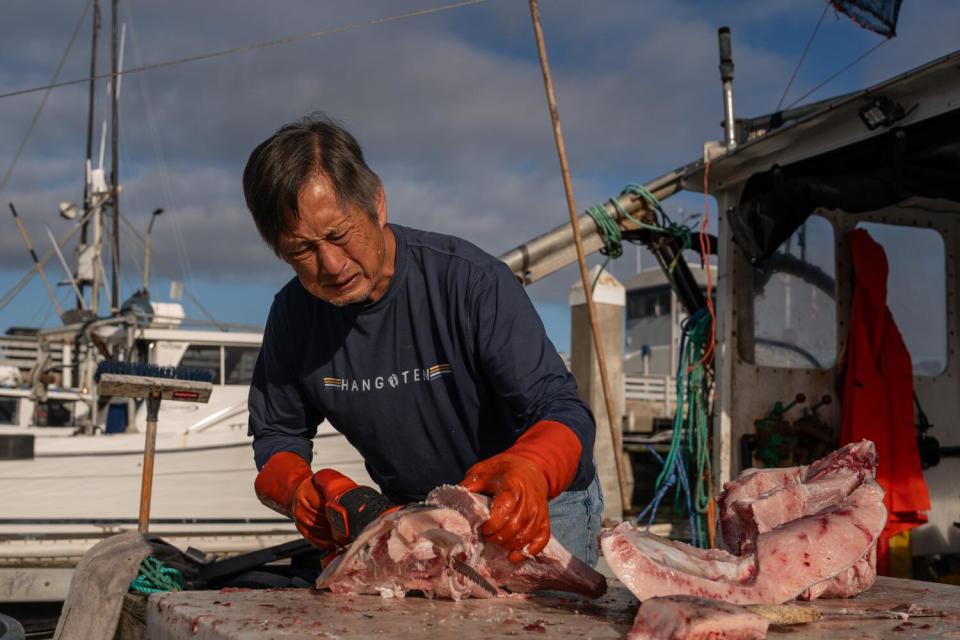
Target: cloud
<point>450,109</point>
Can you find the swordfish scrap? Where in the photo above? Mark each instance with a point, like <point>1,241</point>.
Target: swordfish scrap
<point>415,548</point>
<point>789,541</point>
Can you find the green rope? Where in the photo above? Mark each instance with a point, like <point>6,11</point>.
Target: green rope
<point>690,443</point>
<point>608,226</point>
<point>156,577</point>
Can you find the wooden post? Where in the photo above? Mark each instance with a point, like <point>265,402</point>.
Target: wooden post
<point>149,450</point>
<point>578,242</point>
<point>609,298</point>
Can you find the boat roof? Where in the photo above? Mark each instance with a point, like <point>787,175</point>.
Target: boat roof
<point>925,92</point>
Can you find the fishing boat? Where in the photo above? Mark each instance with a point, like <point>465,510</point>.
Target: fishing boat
<point>71,460</point>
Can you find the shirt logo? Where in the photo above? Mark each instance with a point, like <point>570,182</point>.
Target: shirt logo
<point>393,380</point>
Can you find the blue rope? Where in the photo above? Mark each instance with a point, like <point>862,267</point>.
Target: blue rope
<point>689,433</point>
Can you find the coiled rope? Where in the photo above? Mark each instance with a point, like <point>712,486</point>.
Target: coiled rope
<point>156,577</point>
<point>608,226</point>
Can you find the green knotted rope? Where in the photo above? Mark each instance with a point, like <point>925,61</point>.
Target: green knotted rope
<point>609,228</point>
<point>156,577</point>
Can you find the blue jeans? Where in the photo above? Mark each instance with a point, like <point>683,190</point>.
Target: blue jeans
<point>575,518</point>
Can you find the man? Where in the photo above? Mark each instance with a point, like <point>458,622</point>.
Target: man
<point>421,349</point>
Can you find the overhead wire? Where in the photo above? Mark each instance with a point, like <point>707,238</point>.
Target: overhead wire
<point>43,102</point>
<point>166,184</point>
<point>186,289</point>
<point>251,47</point>
<point>838,73</point>
<point>826,7</point>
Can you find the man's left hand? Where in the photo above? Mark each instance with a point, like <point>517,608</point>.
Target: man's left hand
<point>538,467</point>
<point>519,515</point>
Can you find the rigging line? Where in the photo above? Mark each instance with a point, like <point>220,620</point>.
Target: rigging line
<point>139,237</point>
<point>28,276</point>
<point>250,47</point>
<point>165,182</point>
<point>819,86</point>
<point>43,102</point>
<point>826,6</point>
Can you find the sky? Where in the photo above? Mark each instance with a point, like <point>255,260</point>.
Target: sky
<point>449,108</point>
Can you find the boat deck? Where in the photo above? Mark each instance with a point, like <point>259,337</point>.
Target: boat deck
<point>303,613</point>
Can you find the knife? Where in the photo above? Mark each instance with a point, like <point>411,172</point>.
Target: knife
<point>471,574</point>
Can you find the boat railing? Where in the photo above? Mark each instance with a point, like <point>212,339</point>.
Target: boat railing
<point>217,417</point>
<point>650,388</point>
<point>23,352</point>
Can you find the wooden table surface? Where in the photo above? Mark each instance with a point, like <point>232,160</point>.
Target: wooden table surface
<point>302,613</point>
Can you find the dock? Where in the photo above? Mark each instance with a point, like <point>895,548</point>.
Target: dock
<point>240,614</point>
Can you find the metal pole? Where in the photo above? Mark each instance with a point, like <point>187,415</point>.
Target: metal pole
<point>553,250</point>
<point>146,250</point>
<point>581,256</point>
<point>114,170</point>
<point>36,260</point>
<point>726,75</point>
<point>66,267</point>
<point>90,116</point>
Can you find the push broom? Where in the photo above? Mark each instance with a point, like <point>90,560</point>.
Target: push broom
<point>153,384</point>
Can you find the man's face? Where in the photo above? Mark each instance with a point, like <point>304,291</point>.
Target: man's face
<point>340,254</point>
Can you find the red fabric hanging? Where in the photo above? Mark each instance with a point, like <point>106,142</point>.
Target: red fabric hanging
<point>878,395</point>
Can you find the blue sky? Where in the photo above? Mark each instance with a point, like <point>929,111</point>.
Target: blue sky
<point>449,108</point>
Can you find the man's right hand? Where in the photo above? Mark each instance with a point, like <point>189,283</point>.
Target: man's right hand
<point>285,484</point>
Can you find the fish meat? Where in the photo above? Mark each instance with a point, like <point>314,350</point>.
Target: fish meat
<point>693,618</point>
<point>414,549</point>
<point>782,539</point>
<point>762,499</point>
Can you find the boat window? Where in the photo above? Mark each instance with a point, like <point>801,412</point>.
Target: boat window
<point>916,291</point>
<point>203,357</point>
<point>794,308</point>
<point>54,413</point>
<point>8,410</point>
<point>238,364</point>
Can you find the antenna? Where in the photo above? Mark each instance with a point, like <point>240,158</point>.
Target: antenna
<point>726,75</point>
<point>66,267</point>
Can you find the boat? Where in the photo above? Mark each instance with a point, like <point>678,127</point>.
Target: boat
<point>71,461</point>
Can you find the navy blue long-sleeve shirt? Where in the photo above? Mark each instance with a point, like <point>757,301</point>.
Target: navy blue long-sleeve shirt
<point>448,368</point>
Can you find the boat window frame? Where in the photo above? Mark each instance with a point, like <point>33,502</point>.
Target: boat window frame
<point>746,349</point>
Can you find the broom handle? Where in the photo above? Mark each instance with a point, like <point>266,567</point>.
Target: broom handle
<point>149,448</point>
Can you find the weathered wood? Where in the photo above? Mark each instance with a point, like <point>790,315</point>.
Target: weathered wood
<point>146,480</point>
<point>126,386</point>
<point>99,583</point>
<point>133,618</point>
<point>300,613</point>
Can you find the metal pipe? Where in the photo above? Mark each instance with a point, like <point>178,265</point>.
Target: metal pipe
<point>581,256</point>
<point>90,117</point>
<point>146,250</point>
<point>547,253</point>
<point>726,75</point>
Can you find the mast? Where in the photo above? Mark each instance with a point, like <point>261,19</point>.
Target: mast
<point>114,172</point>
<point>90,118</point>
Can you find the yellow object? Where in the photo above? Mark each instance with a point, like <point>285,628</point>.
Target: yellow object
<point>901,560</point>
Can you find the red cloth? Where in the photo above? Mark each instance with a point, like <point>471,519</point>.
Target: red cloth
<point>878,394</point>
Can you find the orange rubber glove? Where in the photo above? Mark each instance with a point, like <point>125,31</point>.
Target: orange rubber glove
<point>538,467</point>
<point>285,484</point>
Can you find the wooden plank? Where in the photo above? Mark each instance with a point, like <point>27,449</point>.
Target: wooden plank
<point>98,587</point>
<point>126,386</point>
<point>299,613</point>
